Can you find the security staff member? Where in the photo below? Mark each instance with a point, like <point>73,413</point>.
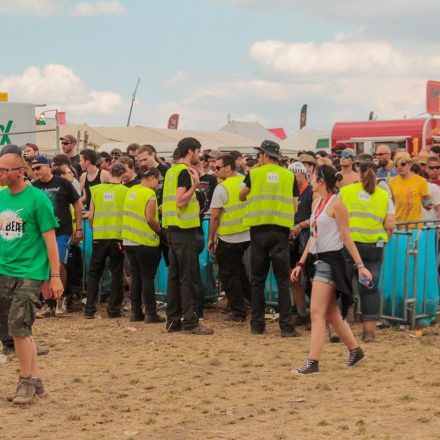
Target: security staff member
<point>105,217</point>
<point>372,221</point>
<point>227,213</point>
<point>270,214</point>
<point>140,231</point>
<point>180,215</point>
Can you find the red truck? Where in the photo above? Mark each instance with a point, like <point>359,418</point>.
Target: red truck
<point>364,136</point>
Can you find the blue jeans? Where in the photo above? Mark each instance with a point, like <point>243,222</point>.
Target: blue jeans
<point>372,257</point>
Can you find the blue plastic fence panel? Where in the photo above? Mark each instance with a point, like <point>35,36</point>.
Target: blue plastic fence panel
<point>394,276</point>
<point>86,250</point>
<point>206,272</point>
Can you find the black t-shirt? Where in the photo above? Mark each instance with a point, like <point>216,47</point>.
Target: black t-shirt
<point>184,180</point>
<point>62,194</point>
<point>75,164</point>
<point>132,183</point>
<point>295,192</point>
<point>163,169</point>
<point>208,182</point>
<point>305,201</point>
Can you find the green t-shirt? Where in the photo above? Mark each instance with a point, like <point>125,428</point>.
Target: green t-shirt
<point>23,219</point>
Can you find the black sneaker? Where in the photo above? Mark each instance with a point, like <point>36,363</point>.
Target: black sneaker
<point>8,349</point>
<point>172,327</point>
<point>89,315</point>
<point>153,319</point>
<point>310,367</point>
<point>234,318</point>
<point>355,356</point>
<point>199,330</point>
<point>290,333</point>
<point>301,320</point>
<point>137,317</point>
<point>257,331</point>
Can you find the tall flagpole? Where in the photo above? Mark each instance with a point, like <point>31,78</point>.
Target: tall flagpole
<point>132,101</point>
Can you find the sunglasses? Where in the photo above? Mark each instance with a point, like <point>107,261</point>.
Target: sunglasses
<point>345,155</point>
<point>434,167</point>
<point>218,168</point>
<point>381,154</point>
<point>65,143</point>
<point>401,164</point>
<point>37,168</point>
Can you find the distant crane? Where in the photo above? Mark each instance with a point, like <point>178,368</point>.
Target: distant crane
<point>132,101</point>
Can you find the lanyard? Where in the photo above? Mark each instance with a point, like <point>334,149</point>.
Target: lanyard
<point>318,212</point>
<point>305,187</point>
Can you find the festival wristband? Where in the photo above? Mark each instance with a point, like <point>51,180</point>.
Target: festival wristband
<point>55,275</point>
<point>299,264</point>
<point>360,265</point>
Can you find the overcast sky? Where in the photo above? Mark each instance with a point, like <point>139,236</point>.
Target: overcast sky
<point>255,59</point>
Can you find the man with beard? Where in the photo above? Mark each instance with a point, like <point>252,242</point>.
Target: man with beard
<point>180,215</point>
<point>386,170</point>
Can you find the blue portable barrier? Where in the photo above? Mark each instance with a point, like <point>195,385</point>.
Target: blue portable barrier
<point>408,276</point>
<point>206,272</point>
<point>86,250</point>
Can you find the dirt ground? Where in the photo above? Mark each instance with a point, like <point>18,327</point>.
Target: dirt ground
<point>112,379</point>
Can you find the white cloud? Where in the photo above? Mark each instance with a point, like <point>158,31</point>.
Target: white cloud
<point>59,87</point>
<point>101,7</point>
<point>341,57</point>
<point>346,9</point>
<point>45,8</point>
<point>41,8</point>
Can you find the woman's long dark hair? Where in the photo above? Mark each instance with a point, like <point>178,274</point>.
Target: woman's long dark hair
<point>328,174</point>
<point>368,176</point>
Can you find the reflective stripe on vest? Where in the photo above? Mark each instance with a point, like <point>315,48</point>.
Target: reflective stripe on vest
<point>135,227</point>
<point>270,200</point>
<point>366,212</point>
<point>108,202</point>
<point>231,217</point>
<point>186,217</point>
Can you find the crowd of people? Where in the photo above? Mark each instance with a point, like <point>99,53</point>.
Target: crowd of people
<point>321,221</point>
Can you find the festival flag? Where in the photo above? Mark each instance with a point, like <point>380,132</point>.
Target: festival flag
<point>173,122</point>
<point>303,117</point>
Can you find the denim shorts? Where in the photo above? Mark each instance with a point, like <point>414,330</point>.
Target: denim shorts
<point>323,273</point>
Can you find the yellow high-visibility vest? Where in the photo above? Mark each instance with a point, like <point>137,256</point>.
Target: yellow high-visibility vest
<point>134,224</point>
<point>186,217</point>
<point>231,218</point>
<point>366,212</point>
<point>270,200</point>
<point>108,201</point>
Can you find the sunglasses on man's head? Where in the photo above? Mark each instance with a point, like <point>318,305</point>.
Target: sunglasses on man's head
<point>434,167</point>
<point>346,155</point>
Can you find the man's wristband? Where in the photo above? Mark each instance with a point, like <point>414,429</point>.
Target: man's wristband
<point>359,265</point>
<point>79,230</point>
<point>299,264</point>
<point>55,275</point>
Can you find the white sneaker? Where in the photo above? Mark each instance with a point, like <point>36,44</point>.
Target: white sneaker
<point>61,308</point>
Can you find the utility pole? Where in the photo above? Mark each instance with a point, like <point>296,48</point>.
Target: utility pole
<point>132,101</point>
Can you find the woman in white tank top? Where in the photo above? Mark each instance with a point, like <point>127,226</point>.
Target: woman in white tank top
<point>329,233</point>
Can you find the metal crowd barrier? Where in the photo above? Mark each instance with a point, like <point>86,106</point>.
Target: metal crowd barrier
<point>409,281</point>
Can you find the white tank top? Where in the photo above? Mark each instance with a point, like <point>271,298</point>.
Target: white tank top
<point>329,236</point>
